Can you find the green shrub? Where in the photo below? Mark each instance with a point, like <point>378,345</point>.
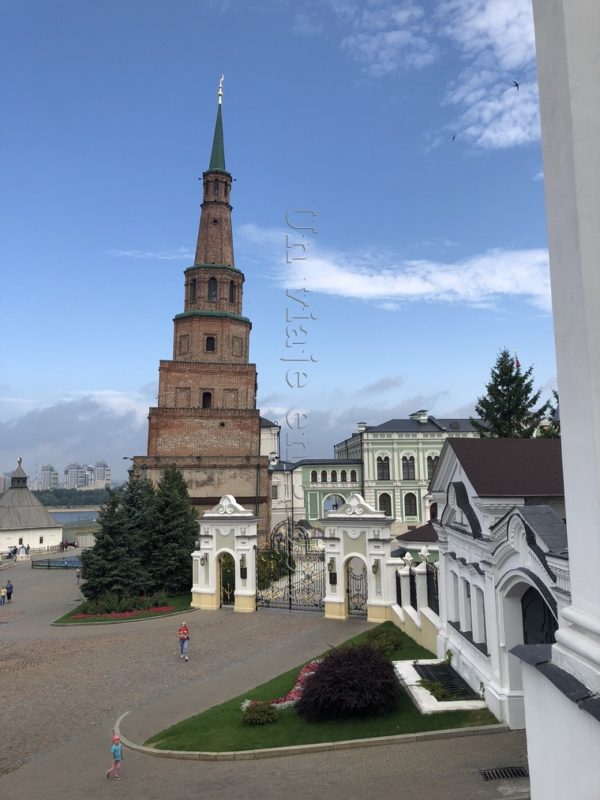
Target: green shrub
<point>385,639</point>
<point>260,713</point>
<point>107,603</point>
<point>438,691</point>
<point>351,682</point>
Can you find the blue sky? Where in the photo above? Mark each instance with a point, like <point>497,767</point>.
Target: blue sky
<point>397,123</point>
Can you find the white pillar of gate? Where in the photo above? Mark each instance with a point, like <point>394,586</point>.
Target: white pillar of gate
<point>226,528</point>
<point>358,531</point>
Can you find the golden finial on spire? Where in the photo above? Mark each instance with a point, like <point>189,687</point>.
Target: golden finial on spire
<point>221,79</point>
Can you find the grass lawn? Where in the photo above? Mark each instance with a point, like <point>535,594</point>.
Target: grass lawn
<point>221,728</point>
<point>181,603</point>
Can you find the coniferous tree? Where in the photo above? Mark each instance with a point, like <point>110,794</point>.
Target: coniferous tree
<point>117,564</point>
<point>175,534</point>
<point>508,408</point>
<point>551,428</point>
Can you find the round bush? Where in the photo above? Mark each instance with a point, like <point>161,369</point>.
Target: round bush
<point>351,682</point>
<point>259,713</point>
<point>386,638</point>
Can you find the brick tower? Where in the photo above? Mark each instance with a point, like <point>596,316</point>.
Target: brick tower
<point>206,422</point>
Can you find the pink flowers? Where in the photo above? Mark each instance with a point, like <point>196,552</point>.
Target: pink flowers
<point>292,697</point>
<point>126,614</point>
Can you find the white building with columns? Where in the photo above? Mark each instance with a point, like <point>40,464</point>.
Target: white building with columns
<point>503,569</point>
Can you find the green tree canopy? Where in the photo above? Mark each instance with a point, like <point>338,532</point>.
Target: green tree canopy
<point>175,533</point>
<point>507,410</point>
<point>551,428</point>
<point>118,562</point>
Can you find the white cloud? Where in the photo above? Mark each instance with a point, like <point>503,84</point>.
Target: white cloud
<point>496,39</point>
<point>160,255</point>
<point>386,36</point>
<point>487,279</point>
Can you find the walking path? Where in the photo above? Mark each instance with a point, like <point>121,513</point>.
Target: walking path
<point>65,687</point>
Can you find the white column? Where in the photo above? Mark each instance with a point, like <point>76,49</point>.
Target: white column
<point>568,55</point>
<point>478,615</point>
<point>421,581</point>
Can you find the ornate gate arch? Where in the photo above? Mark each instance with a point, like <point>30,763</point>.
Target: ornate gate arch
<point>291,571</point>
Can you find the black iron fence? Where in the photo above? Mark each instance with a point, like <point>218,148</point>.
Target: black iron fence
<point>433,598</point>
<point>413,589</point>
<point>398,589</point>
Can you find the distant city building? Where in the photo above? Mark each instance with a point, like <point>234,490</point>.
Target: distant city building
<point>102,475</point>
<point>86,477</point>
<point>48,478</point>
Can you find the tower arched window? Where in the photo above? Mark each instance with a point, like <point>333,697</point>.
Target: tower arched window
<point>410,505</point>
<point>408,468</point>
<point>210,344</point>
<point>193,290</point>
<point>206,399</point>
<point>313,476</point>
<point>212,290</point>
<point>383,468</point>
<point>232,291</point>
<point>334,475</point>
<point>323,476</point>
<point>432,462</point>
<point>353,475</point>
<point>343,476</point>
<point>216,188</point>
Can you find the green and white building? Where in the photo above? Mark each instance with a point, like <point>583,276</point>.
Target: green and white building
<point>390,465</point>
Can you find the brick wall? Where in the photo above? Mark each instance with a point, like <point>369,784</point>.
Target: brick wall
<point>231,338</point>
<point>200,378</point>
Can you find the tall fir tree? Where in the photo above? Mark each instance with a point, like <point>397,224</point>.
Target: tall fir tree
<point>175,533</point>
<point>117,564</point>
<point>551,428</point>
<point>507,410</point>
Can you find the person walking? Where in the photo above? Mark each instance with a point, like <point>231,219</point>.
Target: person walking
<point>184,641</point>
<point>117,756</point>
<point>78,576</point>
<point>9,591</point>
<point>2,595</point>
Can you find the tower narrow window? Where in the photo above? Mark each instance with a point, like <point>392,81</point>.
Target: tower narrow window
<point>206,399</point>
<point>216,188</point>
<point>212,290</point>
<point>193,290</point>
<point>232,291</point>
<point>210,344</point>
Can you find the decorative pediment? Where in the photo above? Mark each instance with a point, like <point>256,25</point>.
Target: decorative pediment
<point>227,506</point>
<point>356,507</point>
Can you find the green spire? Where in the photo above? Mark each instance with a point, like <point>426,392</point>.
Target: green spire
<point>217,156</point>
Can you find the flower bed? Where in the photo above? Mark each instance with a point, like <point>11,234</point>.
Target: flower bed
<point>127,614</point>
<point>292,697</point>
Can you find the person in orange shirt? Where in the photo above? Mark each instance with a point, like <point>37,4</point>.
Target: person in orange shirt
<point>184,641</point>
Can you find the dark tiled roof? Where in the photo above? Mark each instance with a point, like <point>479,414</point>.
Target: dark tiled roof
<point>433,425</point>
<point>546,523</point>
<point>283,466</point>
<point>424,533</point>
<point>266,423</point>
<point>511,467</point>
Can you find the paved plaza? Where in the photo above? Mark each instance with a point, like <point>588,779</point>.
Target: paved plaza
<point>63,689</point>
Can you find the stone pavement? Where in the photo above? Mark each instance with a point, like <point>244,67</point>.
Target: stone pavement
<point>65,687</point>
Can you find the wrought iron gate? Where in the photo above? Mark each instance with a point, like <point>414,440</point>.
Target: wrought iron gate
<point>227,579</point>
<point>291,572</point>
<point>357,590</point>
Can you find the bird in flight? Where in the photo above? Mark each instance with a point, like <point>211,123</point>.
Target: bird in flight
<point>516,85</point>
<point>453,136</point>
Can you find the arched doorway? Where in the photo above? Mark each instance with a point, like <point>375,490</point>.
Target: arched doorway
<point>539,623</point>
<point>227,579</point>
<point>356,587</point>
